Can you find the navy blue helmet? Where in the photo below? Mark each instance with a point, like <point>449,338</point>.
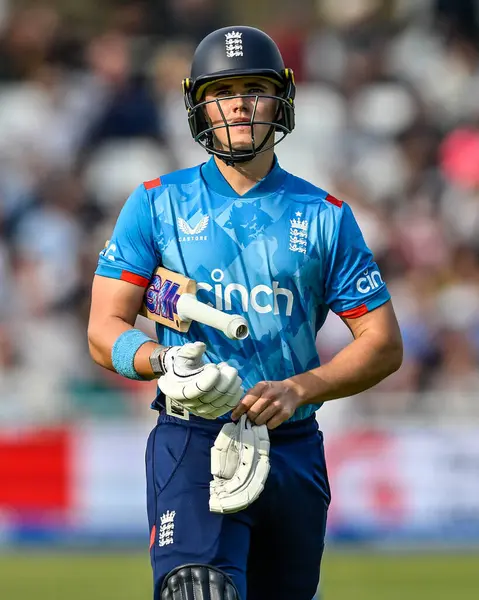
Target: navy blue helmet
<point>238,52</point>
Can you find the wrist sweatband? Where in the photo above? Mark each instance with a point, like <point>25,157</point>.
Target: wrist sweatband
<point>124,350</point>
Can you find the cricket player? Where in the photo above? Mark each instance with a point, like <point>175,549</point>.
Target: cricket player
<point>247,519</point>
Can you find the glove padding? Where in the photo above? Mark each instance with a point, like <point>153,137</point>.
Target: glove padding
<point>239,465</point>
<point>204,389</point>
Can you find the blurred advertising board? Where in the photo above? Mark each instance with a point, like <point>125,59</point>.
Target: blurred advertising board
<point>82,485</point>
<point>405,485</point>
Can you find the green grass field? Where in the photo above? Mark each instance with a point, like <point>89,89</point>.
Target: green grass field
<point>351,576</point>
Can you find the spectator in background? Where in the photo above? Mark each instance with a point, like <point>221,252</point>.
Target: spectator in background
<point>192,19</point>
<point>128,107</point>
<point>27,41</point>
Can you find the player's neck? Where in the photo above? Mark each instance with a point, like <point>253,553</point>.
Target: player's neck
<point>244,176</point>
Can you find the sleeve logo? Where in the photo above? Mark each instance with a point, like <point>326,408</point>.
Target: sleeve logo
<point>369,282</point>
<point>108,251</point>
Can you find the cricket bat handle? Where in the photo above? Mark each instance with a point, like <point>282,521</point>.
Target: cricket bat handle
<point>189,308</point>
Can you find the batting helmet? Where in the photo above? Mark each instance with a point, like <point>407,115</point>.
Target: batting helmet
<point>238,52</point>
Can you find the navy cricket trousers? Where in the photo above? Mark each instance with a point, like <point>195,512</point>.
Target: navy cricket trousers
<point>273,548</point>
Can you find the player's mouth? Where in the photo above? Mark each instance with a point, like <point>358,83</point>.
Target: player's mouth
<point>240,125</point>
<point>241,120</point>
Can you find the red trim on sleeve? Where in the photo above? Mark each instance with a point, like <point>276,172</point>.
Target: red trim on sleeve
<point>153,183</point>
<point>135,279</point>
<point>334,200</point>
<point>354,313</point>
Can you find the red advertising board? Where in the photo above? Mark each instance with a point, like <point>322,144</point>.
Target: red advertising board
<point>34,470</point>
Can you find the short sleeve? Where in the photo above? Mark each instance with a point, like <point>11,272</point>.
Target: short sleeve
<point>353,284</point>
<point>130,254</point>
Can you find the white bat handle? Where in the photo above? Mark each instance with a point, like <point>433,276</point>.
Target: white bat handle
<point>189,308</point>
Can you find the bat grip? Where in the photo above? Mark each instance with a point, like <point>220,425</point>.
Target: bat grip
<point>189,308</point>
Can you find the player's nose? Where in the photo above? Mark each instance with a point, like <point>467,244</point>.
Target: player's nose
<point>239,103</point>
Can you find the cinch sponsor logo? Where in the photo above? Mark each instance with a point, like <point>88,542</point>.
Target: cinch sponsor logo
<point>369,282</point>
<point>262,298</point>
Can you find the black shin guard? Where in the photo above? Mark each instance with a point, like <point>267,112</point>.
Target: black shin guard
<point>198,582</point>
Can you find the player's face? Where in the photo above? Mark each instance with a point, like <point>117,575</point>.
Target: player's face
<point>238,110</point>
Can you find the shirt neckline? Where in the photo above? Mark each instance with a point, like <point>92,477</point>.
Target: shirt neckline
<point>217,182</point>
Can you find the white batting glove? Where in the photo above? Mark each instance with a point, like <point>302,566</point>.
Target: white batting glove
<point>204,389</point>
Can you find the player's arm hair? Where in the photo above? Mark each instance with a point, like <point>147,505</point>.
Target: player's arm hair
<point>375,353</point>
<point>114,309</point>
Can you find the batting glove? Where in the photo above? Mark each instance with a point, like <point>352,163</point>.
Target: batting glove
<point>239,465</point>
<point>204,389</point>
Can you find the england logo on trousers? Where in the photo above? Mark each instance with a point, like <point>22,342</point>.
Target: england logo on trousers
<point>167,528</point>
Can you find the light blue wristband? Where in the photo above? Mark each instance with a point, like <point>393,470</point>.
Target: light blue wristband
<point>124,350</point>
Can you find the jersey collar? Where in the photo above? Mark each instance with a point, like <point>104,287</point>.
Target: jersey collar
<point>269,184</point>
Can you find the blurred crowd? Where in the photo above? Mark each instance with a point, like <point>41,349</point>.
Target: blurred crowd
<point>91,105</point>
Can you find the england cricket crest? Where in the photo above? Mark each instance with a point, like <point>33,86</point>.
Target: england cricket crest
<point>234,44</point>
<point>298,233</point>
<point>167,528</point>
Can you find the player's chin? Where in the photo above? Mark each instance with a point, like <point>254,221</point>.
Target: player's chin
<point>244,141</point>
<point>241,141</point>
<point>240,135</point>
<point>242,145</point>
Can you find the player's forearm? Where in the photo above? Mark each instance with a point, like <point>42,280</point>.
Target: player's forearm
<point>101,338</point>
<point>358,367</point>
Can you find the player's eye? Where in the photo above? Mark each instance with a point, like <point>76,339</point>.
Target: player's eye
<point>256,90</point>
<point>222,93</point>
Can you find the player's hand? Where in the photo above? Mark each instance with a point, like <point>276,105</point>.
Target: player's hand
<point>269,403</point>
<point>204,389</point>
